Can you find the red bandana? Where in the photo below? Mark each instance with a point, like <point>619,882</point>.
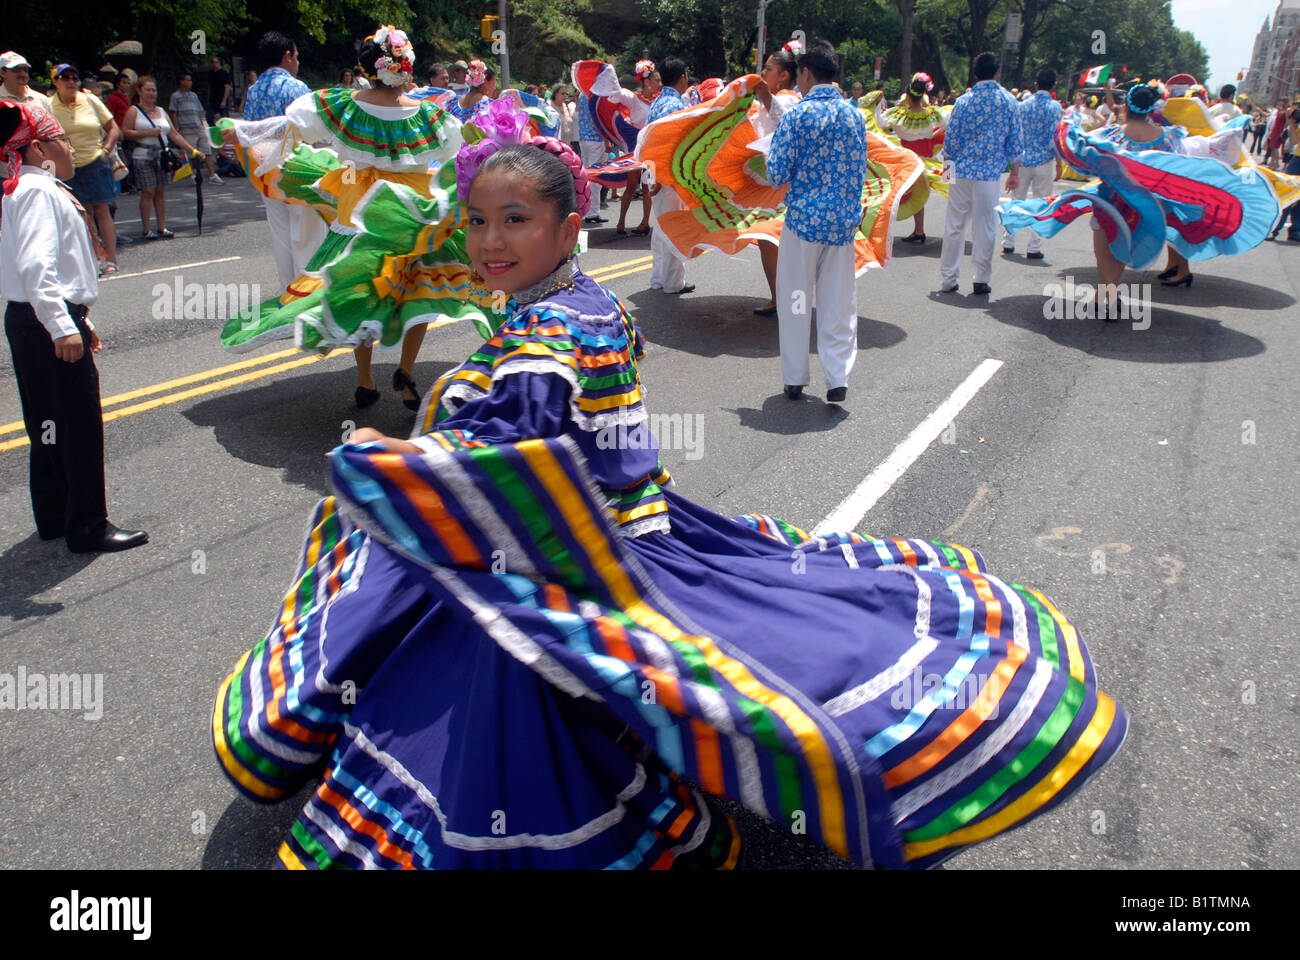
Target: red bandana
<point>34,123</point>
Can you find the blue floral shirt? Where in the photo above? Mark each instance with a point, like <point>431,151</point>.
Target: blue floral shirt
<point>272,93</point>
<point>668,101</point>
<point>820,149</point>
<point>984,132</point>
<point>1039,117</point>
<point>586,126</point>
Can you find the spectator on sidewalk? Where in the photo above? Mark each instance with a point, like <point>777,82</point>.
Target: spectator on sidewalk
<point>1039,169</point>
<point>147,125</point>
<point>48,275</point>
<point>219,88</point>
<point>119,101</point>
<point>14,74</point>
<point>94,136</point>
<point>983,136</point>
<point>186,112</point>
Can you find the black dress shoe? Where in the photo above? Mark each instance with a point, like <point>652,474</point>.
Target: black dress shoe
<point>1166,274</point>
<point>1185,281</point>
<point>981,288</point>
<point>110,541</point>
<point>1034,256</point>
<point>49,533</point>
<point>366,397</point>
<point>793,393</point>
<point>837,394</point>
<point>913,238</point>
<point>689,288</point>
<point>403,382</point>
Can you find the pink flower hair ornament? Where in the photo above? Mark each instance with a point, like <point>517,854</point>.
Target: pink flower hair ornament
<point>505,125</point>
<point>644,68</point>
<point>793,47</point>
<point>396,66</point>
<point>477,74</point>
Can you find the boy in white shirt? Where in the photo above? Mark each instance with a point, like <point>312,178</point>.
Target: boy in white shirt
<point>48,275</point>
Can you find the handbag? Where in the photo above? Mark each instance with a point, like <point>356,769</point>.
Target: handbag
<point>170,159</point>
<point>120,169</point>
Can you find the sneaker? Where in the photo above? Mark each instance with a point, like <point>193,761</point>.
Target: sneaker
<point>166,234</point>
<point>215,179</point>
<point>151,235</point>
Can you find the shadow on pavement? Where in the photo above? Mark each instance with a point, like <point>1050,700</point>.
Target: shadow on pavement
<point>728,327</point>
<point>1171,338</point>
<point>248,834</point>
<point>29,568</point>
<point>293,422</point>
<point>809,414</point>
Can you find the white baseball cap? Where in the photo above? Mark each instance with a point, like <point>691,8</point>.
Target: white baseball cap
<point>12,61</point>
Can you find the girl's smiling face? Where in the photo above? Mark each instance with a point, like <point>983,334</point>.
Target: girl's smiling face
<point>514,236</point>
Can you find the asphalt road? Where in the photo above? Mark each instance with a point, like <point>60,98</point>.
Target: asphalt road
<point>1144,479</point>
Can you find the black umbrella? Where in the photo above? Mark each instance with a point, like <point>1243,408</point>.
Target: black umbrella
<point>198,193</point>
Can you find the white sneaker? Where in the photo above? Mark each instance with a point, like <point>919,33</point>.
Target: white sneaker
<point>214,179</point>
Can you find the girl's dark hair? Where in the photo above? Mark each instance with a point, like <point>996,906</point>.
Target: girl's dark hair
<point>370,52</point>
<point>821,60</point>
<point>1142,99</point>
<point>543,171</point>
<point>785,61</point>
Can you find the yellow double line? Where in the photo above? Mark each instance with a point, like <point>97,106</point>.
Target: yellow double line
<point>184,390</point>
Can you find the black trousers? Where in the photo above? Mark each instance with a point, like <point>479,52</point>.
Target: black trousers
<point>64,422</point>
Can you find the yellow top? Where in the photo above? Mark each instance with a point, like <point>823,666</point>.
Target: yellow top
<point>84,122</point>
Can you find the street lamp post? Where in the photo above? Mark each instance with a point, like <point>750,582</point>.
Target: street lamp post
<point>762,32</point>
<point>505,48</point>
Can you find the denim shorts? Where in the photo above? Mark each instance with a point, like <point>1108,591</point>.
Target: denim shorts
<point>94,183</point>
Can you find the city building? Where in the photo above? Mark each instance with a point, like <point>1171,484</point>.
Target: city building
<point>1274,71</point>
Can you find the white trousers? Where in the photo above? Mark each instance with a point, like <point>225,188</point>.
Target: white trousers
<point>802,270</point>
<point>593,152</point>
<point>296,233</point>
<point>669,271</point>
<point>973,203</point>
<point>1038,181</point>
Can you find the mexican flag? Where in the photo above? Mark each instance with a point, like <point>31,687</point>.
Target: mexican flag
<point>1096,76</point>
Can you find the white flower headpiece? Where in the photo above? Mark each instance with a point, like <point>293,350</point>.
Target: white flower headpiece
<point>397,66</point>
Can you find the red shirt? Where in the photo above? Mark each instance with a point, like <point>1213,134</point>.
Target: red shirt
<point>117,105</point>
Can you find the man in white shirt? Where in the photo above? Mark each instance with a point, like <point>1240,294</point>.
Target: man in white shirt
<point>1224,109</point>
<point>49,277</point>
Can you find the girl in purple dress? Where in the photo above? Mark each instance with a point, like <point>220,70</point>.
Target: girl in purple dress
<point>511,644</point>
